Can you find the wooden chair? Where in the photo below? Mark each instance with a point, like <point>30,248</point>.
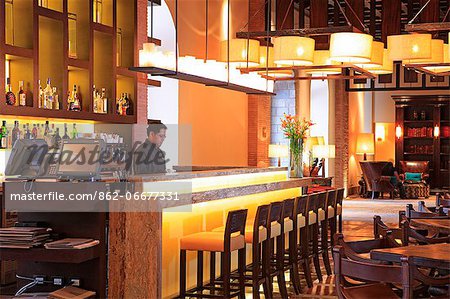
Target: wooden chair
<point>331,214</point>
<point>322,216</point>
<point>441,201</point>
<point>394,236</point>
<point>313,232</point>
<point>302,237</point>
<point>339,199</point>
<point>438,210</point>
<point>412,214</point>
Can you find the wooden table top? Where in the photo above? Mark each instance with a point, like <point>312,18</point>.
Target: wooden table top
<point>443,225</point>
<point>434,255</point>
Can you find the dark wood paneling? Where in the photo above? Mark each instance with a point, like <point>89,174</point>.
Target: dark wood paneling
<point>430,12</point>
<point>390,18</point>
<point>319,18</point>
<point>285,14</point>
<point>358,9</point>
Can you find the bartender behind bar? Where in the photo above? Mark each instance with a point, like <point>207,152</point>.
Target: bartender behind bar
<point>148,157</point>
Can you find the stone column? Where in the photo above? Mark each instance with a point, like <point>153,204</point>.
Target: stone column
<point>303,97</point>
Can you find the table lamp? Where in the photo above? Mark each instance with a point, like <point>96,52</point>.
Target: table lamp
<point>324,151</point>
<point>365,144</point>
<point>278,151</point>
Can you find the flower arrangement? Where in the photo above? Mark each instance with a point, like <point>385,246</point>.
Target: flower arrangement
<point>296,131</point>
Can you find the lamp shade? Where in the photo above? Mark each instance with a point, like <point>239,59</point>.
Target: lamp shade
<point>266,60</point>
<point>437,53</point>
<point>376,58</point>
<point>324,151</point>
<point>351,47</point>
<point>321,58</point>
<point>386,68</point>
<point>293,50</point>
<point>365,144</point>
<point>409,46</point>
<point>240,50</point>
<point>314,140</point>
<point>278,151</point>
<point>442,68</point>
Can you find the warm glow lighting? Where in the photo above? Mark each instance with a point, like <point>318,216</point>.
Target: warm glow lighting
<point>441,69</point>
<point>386,68</point>
<point>376,58</point>
<point>324,151</point>
<point>351,47</point>
<point>322,57</point>
<point>278,151</point>
<point>241,50</point>
<point>436,131</point>
<point>365,144</point>
<point>406,47</point>
<point>314,140</point>
<point>293,50</point>
<point>398,132</point>
<point>268,62</point>
<point>437,53</point>
<point>380,132</point>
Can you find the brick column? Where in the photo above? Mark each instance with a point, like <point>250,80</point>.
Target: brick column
<point>259,125</point>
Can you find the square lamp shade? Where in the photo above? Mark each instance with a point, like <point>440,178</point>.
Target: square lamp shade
<point>314,140</point>
<point>365,144</point>
<point>278,151</point>
<point>324,151</point>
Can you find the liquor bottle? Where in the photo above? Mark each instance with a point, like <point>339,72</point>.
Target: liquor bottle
<point>104,101</point>
<point>130,105</point>
<point>41,95</point>
<point>125,104</point>
<point>46,128</point>
<point>55,99</point>
<point>57,138</point>
<point>76,99</point>
<point>65,136</point>
<point>94,99</point>
<point>48,95</point>
<point>34,132</point>
<point>9,138</point>
<point>74,132</point>
<point>69,101</point>
<point>9,96</point>
<point>119,105</point>
<point>15,132</point>
<point>22,96</point>
<point>39,131</point>
<point>27,131</point>
<point>3,135</point>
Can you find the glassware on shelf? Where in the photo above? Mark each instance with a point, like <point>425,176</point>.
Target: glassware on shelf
<point>119,46</point>
<point>9,22</point>
<point>98,11</point>
<point>72,24</point>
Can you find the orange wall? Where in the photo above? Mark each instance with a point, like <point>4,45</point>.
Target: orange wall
<point>218,117</point>
<point>385,150</point>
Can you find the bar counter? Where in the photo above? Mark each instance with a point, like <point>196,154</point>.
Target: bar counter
<point>144,247</point>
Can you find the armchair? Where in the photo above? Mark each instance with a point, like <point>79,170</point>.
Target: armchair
<point>375,181</point>
<point>422,167</point>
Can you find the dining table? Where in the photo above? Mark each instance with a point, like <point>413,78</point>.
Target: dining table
<point>440,224</point>
<point>430,255</point>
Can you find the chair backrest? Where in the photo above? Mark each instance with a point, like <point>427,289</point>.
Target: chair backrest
<point>362,271</point>
<point>414,166</point>
<point>413,214</point>
<point>441,201</point>
<point>235,223</point>
<point>276,212</point>
<point>420,236</point>
<point>313,202</point>
<point>301,204</point>
<point>381,230</point>
<point>422,207</point>
<point>322,200</point>
<point>288,208</point>
<point>371,171</point>
<point>339,196</point>
<point>331,198</point>
<point>261,220</point>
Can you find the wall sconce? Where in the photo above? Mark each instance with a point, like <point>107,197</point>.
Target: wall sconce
<point>398,132</point>
<point>436,131</point>
<point>380,132</point>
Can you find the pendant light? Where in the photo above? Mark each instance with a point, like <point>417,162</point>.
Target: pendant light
<point>406,47</point>
<point>351,47</point>
<point>321,58</point>
<point>293,50</point>
<point>240,51</point>
<point>265,61</point>
<point>443,68</point>
<point>386,68</point>
<point>376,57</point>
<point>437,53</point>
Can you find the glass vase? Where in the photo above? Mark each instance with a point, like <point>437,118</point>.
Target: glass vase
<point>296,158</point>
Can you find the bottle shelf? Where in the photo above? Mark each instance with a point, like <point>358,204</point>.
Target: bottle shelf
<point>418,121</point>
<point>14,52</point>
<point>103,28</point>
<point>73,64</point>
<point>50,13</point>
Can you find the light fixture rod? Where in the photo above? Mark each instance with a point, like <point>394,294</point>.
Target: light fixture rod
<point>286,14</point>
<point>356,16</point>
<point>343,12</point>
<point>254,15</point>
<point>418,13</point>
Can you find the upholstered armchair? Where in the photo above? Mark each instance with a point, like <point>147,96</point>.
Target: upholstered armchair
<point>422,167</point>
<point>375,181</point>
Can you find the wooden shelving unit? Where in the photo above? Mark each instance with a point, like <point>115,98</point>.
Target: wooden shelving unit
<point>418,116</point>
<point>36,47</point>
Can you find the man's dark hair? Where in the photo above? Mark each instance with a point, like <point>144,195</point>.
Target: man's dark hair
<point>155,128</point>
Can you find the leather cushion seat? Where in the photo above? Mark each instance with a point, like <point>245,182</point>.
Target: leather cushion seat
<point>312,218</point>
<point>211,241</point>
<point>330,212</point>
<point>262,234</point>
<point>339,209</point>
<point>288,225</point>
<point>301,221</point>
<point>321,214</point>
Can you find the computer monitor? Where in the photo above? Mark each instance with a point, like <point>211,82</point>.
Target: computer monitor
<point>80,158</point>
<point>26,157</point>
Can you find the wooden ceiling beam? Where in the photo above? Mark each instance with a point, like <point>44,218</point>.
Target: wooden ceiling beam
<point>296,32</point>
<point>428,27</point>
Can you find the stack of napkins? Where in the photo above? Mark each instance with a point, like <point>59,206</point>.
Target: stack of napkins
<point>23,237</point>
<point>71,243</point>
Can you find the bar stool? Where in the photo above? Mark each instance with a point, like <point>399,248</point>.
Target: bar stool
<point>339,199</point>
<point>232,239</point>
<point>322,214</point>
<point>255,234</point>
<point>331,202</point>
<point>301,206</point>
<point>313,232</point>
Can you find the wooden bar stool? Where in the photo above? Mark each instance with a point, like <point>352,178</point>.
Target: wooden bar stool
<point>339,199</point>
<point>224,242</point>
<point>255,234</point>
<point>331,215</point>
<point>322,215</point>
<point>313,232</point>
<point>301,206</point>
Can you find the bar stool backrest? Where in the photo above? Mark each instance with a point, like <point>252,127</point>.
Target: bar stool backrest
<point>313,202</point>
<point>288,208</point>
<point>276,211</point>
<point>322,200</point>
<point>301,205</point>
<point>261,220</point>
<point>235,223</point>
<point>340,196</point>
<point>331,199</point>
